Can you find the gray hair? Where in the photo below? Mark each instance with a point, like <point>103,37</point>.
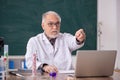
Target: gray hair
<point>50,12</point>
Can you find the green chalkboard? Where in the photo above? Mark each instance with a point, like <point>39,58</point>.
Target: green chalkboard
<point>21,19</point>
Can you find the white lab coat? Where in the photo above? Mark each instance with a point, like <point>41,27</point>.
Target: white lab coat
<point>59,55</point>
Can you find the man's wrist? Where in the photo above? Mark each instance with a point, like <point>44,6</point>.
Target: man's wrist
<point>42,66</point>
<point>79,42</point>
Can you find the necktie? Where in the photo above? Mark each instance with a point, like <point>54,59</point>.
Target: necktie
<point>52,41</point>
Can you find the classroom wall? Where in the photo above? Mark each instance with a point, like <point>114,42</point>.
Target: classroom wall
<point>118,31</point>
<point>108,27</point>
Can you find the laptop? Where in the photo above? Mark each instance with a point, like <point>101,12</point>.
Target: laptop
<point>93,63</point>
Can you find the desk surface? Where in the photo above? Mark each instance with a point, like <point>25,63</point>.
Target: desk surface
<point>116,76</point>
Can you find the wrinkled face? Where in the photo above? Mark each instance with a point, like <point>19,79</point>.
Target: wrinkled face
<point>51,26</point>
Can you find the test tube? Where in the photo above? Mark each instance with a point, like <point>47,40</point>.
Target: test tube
<point>6,59</point>
<point>34,72</point>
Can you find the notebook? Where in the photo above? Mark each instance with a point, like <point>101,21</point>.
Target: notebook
<point>93,63</point>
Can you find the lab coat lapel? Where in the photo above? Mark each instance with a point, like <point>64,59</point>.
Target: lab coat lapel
<point>47,46</point>
<point>57,44</point>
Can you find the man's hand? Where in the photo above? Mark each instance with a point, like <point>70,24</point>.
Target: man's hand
<point>49,68</point>
<point>80,35</point>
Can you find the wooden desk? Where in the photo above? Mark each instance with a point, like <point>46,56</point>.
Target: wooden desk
<point>116,76</point>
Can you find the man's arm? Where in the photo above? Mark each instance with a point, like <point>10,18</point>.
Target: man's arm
<point>30,49</point>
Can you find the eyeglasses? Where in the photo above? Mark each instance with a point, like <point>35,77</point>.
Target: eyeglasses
<point>51,24</point>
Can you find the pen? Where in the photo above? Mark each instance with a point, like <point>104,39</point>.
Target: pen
<point>16,74</point>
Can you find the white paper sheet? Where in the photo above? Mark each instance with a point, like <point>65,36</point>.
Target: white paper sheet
<point>67,71</point>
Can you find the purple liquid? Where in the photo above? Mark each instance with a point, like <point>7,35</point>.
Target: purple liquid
<point>53,74</point>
